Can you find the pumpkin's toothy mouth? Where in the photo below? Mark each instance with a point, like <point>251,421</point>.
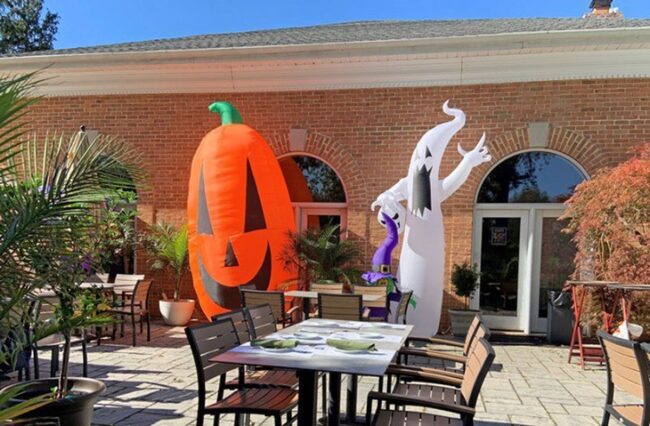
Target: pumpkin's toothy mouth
<point>228,296</point>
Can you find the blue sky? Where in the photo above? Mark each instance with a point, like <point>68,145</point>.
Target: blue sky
<point>92,22</point>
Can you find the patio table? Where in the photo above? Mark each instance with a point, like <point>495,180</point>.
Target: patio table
<point>306,297</point>
<point>577,347</point>
<point>310,359</point>
<point>620,297</point>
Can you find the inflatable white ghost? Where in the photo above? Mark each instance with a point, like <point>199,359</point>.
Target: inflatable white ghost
<point>421,266</point>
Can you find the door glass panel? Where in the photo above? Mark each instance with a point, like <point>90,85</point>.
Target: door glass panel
<point>556,262</point>
<point>499,265</point>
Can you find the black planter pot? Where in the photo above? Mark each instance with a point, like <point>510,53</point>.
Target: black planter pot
<point>76,409</point>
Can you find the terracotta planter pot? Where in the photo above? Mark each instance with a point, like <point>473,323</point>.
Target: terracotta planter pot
<point>176,313</point>
<point>74,410</point>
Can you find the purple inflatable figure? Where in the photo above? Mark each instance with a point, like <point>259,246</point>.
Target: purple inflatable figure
<point>381,260</point>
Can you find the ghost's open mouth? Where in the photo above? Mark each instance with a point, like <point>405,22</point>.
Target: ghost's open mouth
<point>228,296</point>
<point>421,190</point>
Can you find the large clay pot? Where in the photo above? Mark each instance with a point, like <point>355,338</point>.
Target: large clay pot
<point>176,312</point>
<point>74,410</point>
<point>460,321</point>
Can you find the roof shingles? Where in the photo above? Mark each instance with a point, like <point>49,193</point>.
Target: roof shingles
<point>359,32</point>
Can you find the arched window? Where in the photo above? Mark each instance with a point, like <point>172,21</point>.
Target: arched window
<point>317,193</point>
<point>531,177</point>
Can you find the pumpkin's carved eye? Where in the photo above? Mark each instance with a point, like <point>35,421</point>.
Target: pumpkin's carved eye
<point>204,225</point>
<point>254,215</point>
<point>427,154</point>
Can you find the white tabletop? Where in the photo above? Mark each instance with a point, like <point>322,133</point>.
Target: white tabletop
<point>314,295</point>
<point>320,357</point>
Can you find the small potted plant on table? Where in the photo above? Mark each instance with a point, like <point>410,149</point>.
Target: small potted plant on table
<point>465,281</point>
<point>166,247</point>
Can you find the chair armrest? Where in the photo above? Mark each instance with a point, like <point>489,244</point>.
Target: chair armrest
<point>433,354</point>
<point>428,375</point>
<point>406,400</point>
<point>435,341</point>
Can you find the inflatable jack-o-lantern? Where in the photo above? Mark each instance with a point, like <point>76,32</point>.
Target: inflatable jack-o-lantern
<point>239,214</point>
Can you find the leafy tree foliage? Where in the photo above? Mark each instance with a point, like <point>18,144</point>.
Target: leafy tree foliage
<point>24,27</point>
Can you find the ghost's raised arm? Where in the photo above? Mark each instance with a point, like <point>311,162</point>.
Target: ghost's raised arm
<point>471,159</point>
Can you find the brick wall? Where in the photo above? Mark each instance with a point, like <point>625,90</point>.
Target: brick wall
<point>367,136</point>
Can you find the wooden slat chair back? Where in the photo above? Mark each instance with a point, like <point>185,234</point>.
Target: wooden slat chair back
<point>334,288</point>
<point>471,332</point>
<point>207,341</point>
<point>240,322</point>
<point>126,282</point>
<point>275,299</point>
<point>403,305</point>
<point>628,369</point>
<point>261,321</point>
<point>128,279</point>
<point>379,290</point>
<point>340,306</point>
<point>140,296</point>
<point>479,361</point>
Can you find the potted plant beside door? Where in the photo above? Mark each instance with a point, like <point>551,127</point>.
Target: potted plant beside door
<point>323,257</point>
<point>166,247</point>
<point>464,278</point>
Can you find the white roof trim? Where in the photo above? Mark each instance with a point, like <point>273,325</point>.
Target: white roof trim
<point>505,58</point>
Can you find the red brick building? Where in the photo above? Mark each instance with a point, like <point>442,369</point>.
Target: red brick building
<point>558,98</point>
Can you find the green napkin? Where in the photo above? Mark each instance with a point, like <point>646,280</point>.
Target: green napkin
<point>351,345</point>
<point>275,343</point>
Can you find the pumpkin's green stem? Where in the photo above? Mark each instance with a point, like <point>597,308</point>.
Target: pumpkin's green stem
<point>229,115</point>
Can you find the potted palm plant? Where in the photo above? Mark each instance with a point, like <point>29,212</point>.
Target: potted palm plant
<point>323,257</point>
<point>49,191</point>
<point>166,247</point>
<point>464,279</point>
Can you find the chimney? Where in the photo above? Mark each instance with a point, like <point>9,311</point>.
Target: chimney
<point>603,8</point>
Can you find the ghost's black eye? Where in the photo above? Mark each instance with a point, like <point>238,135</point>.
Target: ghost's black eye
<point>395,216</point>
<point>382,222</point>
<point>427,154</point>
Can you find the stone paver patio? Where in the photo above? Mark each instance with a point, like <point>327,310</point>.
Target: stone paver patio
<point>155,383</point>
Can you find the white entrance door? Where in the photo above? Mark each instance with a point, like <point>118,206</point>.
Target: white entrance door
<point>501,253</point>
<point>522,254</point>
<point>553,252</point>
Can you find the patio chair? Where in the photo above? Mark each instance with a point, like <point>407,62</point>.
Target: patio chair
<point>340,306</point>
<point>451,376</point>
<point>378,309</point>
<point>627,368</point>
<point>136,306</point>
<point>124,284</point>
<point>273,298</point>
<point>261,322</point>
<point>461,401</point>
<point>262,378</point>
<point>209,340</point>
<point>402,306</point>
<point>54,343</point>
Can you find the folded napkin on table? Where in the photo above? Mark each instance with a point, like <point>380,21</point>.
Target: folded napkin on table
<point>351,345</point>
<point>274,343</point>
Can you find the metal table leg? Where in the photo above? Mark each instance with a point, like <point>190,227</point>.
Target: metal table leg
<point>351,406</point>
<point>307,397</point>
<point>306,306</point>
<point>334,400</point>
